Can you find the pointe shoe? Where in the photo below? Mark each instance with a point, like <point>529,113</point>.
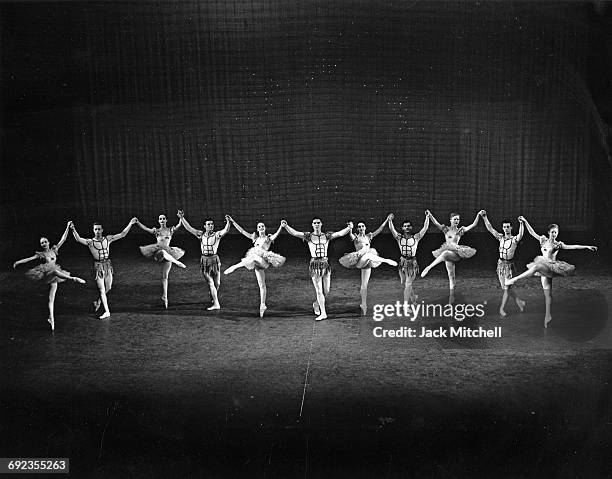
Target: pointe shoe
<point>424,273</point>
<point>96,305</point>
<point>51,321</point>
<point>165,300</point>
<point>262,309</point>
<point>546,321</point>
<point>502,313</point>
<point>78,280</point>
<point>392,263</point>
<point>214,306</point>
<point>521,305</point>
<point>508,282</point>
<point>317,309</point>
<point>180,265</point>
<point>321,317</point>
<point>229,270</point>
<point>364,309</point>
<point>106,315</point>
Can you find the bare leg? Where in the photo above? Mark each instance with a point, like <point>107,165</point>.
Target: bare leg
<point>317,281</point>
<point>212,286</point>
<point>100,282</point>
<point>171,259</point>
<point>409,296</point>
<point>373,257</point>
<point>365,279</point>
<point>234,267</point>
<point>548,297</point>
<point>530,272</point>
<point>443,257</point>
<point>76,279</point>
<point>261,281</point>
<point>51,304</point>
<point>167,266</point>
<point>519,302</point>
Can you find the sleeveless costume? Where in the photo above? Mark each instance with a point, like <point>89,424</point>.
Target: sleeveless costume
<point>154,250</point>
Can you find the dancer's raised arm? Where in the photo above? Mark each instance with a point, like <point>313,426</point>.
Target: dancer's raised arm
<point>241,229</point>
<point>188,227</point>
<point>225,230</point>
<point>147,229</point>
<point>488,224</point>
<point>377,231</point>
<point>530,229</point>
<point>291,231</point>
<point>425,227</point>
<point>521,232</point>
<point>76,235</point>
<point>64,236</point>
<point>275,235</point>
<point>436,223</point>
<point>394,232</point>
<point>123,233</point>
<point>342,232</point>
<point>472,225</point>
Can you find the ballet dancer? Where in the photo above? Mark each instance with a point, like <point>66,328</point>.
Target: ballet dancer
<point>408,267</point>
<point>102,270</point>
<point>451,251</point>
<point>259,258</point>
<point>505,262</point>
<point>547,266</point>
<point>162,251</point>
<point>210,264</point>
<point>48,271</point>
<point>364,258</point>
<point>320,270</point>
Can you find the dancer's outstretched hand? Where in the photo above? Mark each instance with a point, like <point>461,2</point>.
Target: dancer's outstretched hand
<point>180,213</point>
<point>283,223</point>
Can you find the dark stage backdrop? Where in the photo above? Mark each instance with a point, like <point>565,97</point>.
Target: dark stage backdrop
<point>344,109</point>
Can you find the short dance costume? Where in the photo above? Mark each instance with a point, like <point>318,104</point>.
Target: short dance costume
<point>259,256</point>
<point>355,259</point>
<point>155,250</point>
<point>408,263</point>
<point>101,267</point>
<point>547,264</point>
<point>210,264</point>
<point>45,272</point>
<point>459,251</point>
<point>505,264</point>
<point>319,265</point>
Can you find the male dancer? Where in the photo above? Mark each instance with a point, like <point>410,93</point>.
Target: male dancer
<point>210,264</point>
<point>99,247</point>
<point>319,268</point>
<point>505,262</point>
<point>408,267</point>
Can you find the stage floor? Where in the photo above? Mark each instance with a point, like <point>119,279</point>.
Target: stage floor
<point>185,392</point>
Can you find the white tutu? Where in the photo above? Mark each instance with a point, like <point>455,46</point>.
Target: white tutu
<point>551,268</point>
<point>459,251</point>
<point>356,260</point>
<point>152,250</point>
<point>261,258</point>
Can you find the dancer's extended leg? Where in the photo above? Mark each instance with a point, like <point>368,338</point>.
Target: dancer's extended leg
<point>167,265</point>
<point>365,279</point>
<point>261,281</point>
<point>51,304</point>
<point>443,257</point>
<point>168,257</point>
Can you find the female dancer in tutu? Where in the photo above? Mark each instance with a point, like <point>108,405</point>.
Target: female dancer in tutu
<point>49,272</point>
<point>451,251</point>
<point>162,251</point>
<point>259,258</point>
<point>547,265</point>
<point>364,258</point>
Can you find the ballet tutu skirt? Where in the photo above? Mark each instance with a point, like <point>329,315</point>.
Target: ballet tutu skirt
<point>155,251</point>
<point>355,259</point>
<point>45,273</point>
<point>460,251</point>
<point>551,268</point>
<point>259,257</point>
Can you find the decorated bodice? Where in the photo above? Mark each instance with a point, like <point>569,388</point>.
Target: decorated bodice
<point>49,256</point>
<point>263,242</point>
<point>550,248</point>
<point>453,235</point>
<point>507,247</point>
<point>407,245</point>
<point>99,248</point>
<point>362,241</point>
<point>318,244</point>
<point>209,243</point>
<point>163,235</point>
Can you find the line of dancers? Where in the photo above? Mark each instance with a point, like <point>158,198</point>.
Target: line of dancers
<point>259,257</point>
